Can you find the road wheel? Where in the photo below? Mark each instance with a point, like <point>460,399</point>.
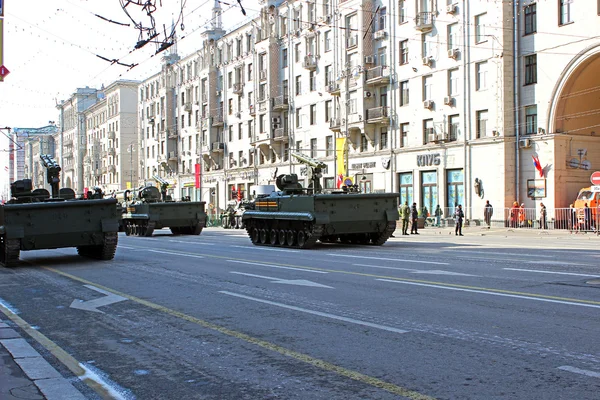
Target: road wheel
<point>281,236</point>
<point>273,238</point>
<point>301,237</point>
<point>255,235</point>
<point>290,237</point>
<point>263,236</point>
<point>127,229</point>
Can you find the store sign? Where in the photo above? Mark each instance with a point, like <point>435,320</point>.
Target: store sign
<point>371,164</point>
<point>427,160</point>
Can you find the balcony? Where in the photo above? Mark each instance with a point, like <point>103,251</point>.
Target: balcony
<point>280,103</point>
<point>335,124</point>
<point>424,21</point>
<point>68,143</point>
<point>217,147</point>
<point>378,115</point>
<point>112,169</point>
<point>172,156</point>
<point>280,135</point>
<point>217,119</point>
<point>112,151</point>
<point>238,88</point>
<point>188,106</point>
<point>379,75</point>
<point>310,63</point>
<point>262,75</point>
<point>333,89</point>
<point>111,135</point>
<point>263,138</point>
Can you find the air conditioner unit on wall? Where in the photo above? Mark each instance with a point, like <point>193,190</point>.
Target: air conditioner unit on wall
<point>368,94</point>
<point>432,137</point>
<point>525,143</point>
<point>426,60</point>
<point>452,53</point>
<point>428,104</point>
<point>276,120</point>
<point>451,8</point>
<point>448,100</point>
<point>369,60</point>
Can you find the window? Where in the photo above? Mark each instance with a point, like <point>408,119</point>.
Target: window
<point>404,134</point>
<point>297,19</point>
<point>313,114</point>
<point>453,82</point>
<point>480,28</point>
<point>455,188</point>
<point>453,126</point>
<point>261,123</point>
<point>353,108</point>
<point>284,58</point>
<point>383,140</point>
<point>312,83</point>
<point>481,75</point>
<point>404,52</point>
<point>298,85</point>
<point>429,190</point>
<point>328,41</point>
<point>403,93</point>
<point>329,146</point>
<point>364,143</point>
<point>283,25</point>
<point>328,110</point>
<point>297,52</point>
<point>381,19</point>
<point>383,96</point>
<point>230,106</point>
<point>427,130</point>
<point>313,148</point>
<point>424,45</point>
<point>229,80</point>
<point>427,85</point>
<point>452,36</point>
<point>402,12</point>
<point>240,131</point>
<point>482,117</point>
<point>531,69</point>
<point>530,19</point>
<point>298,117</point>
<point>564,10</point>
<point>249,72</point>
<point>328,75</point>
<point>406,188</point>
<point>530,120</point>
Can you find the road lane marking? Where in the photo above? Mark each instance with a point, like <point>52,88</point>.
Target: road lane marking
<point>104,388</point>
<point>551,272</point>
<point>176,254</point>
<point>277,266</point>
<point>416,271</point>
<point>495,293</point>
<point>299,282</point>
<point>345,272</point>
<point>305,358</point>
<point>585,372</point>
<point>389,259</point>
<point>264,248</point>
<point>558,263</point>
<point>499,253</point>
<point>199,243</point>
<point>92,305</point>
<point>319,313</point>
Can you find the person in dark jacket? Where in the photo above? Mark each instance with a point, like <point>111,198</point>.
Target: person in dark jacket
<point>543,217</point>
<point>459,215</point>
<point>587,217</point>
<point>414,217</point>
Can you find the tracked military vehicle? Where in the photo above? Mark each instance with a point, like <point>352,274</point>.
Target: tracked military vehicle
<point>150,210</point>
<point>299,217</point>
<point>34,219</point>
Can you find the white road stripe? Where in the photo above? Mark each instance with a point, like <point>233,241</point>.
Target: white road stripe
<point>277,266</point>
<point>200,243</point>
<point>319,313</point>
<point>127,247</point>
<point>264,248</point>
<point>379,266</point>
<point>389,259</point>
<point>456,250</point>
<point>492,293</point>
<point>585,372</point>
<point>416,271</point>
<point>176,254</point>
<point>559,263</point>
<point>551,272</point>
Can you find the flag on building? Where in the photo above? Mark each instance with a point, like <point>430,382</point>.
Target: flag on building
<point>538,165</point>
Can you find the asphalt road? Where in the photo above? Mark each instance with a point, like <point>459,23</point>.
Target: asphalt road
<point>213,317</point>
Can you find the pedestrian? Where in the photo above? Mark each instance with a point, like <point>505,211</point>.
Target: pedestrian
<point>459,215</point>
<point>405,215</point>
<point>587,217</point>
<point>543,215</point>
<point>522,215</point>
<point>514,215</point>
<point>572,218</point>
<point>414,216</point>
<point>488,211</point>
<point>438,216</point>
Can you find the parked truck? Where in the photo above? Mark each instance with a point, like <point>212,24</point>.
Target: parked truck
<point>35,219</point>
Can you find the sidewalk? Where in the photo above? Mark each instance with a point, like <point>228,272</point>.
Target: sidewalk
<point>507,232</point>
<point>25,374</point>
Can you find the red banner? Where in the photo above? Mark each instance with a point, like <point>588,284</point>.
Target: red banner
<point>197,175</point>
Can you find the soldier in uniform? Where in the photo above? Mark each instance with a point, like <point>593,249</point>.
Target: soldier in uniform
<point>405,216</point>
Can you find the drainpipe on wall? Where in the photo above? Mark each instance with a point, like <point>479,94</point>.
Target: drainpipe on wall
<point>466,103</point>
<point>393,94</point>
<point>516,94</point>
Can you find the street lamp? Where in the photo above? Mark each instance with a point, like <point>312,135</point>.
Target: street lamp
<point>130,150</point>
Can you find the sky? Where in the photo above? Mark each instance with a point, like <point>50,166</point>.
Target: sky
<point>51,48</point>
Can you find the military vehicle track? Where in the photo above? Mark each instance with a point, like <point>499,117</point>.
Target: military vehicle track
<point>284,233</point>
<point>10,250</point>
<point>104,251</point>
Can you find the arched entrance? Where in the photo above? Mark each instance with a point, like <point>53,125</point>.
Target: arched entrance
<point>576,98</point>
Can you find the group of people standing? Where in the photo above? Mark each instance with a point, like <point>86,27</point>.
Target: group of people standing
<point>411,214</point>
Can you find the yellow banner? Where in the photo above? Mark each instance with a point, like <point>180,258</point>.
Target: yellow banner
<point>128,185</point>
<point>340,149</point>
<point>1,40</point>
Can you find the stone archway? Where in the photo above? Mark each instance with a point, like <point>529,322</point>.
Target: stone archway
<point>575,106</point>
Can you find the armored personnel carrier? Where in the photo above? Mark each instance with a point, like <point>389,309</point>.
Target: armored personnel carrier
<point>299,217</point>
<point>34,219</point>
<point>150,211</point>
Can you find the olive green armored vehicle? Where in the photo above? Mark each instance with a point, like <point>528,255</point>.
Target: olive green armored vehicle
<point>150,210</point>
<point>35,220</point>
<point>299,217</point>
